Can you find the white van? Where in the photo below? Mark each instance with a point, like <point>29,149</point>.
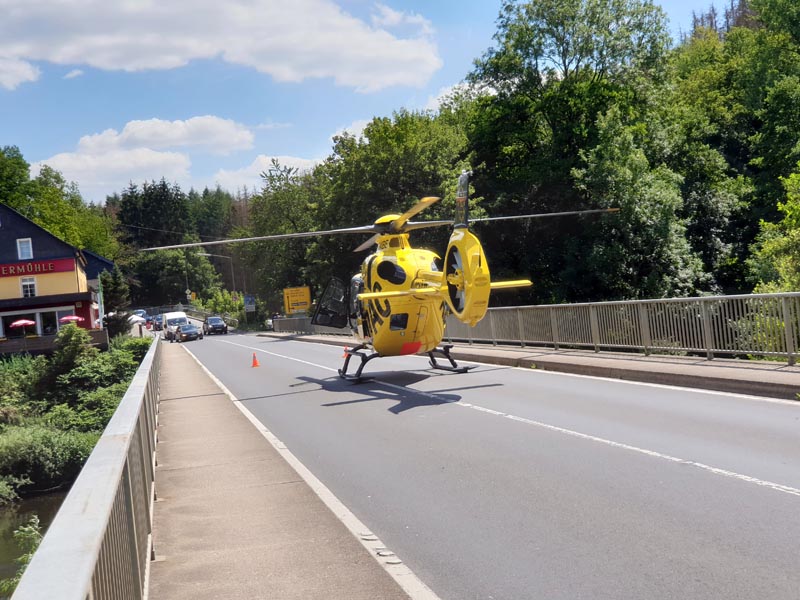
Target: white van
<point>171,322</point>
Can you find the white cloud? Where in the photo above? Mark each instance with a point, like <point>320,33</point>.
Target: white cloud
<point>356,128</point>
<point>392,19</point>
<point>104,163</point>
<point>73,74</point>
<point>218,136</point>
<point>289,41</point>
<point>102,174</point>
<point>250,176</point>
<point>14,71</point>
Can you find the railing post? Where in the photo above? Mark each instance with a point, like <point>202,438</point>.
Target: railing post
<point>519,324</point>
<point>491,328</point>
<point>594,327</point>
<point>554,327</point>
<point>707,338</point>
<point>788,329</point>
<point>644,327</point>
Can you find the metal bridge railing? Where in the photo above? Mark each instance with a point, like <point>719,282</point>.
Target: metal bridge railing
<point>99,545</point>
<point>754,324</point>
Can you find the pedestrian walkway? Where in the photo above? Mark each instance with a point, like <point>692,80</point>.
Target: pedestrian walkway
<point>232,519</point>
<point>773,379</point>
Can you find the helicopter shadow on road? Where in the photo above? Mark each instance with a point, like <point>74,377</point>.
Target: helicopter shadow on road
<point>384,386</point>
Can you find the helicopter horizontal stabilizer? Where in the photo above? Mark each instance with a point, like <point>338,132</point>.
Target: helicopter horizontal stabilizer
<point>426,291</point>
<point>517,283</point>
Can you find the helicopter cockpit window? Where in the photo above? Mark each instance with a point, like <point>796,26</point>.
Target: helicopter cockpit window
<point>391,272</point>
<point>398,322</point>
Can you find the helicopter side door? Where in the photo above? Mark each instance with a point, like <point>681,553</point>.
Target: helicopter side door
<point>333,307</point>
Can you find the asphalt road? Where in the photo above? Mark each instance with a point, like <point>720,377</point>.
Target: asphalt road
<point>511,484</point>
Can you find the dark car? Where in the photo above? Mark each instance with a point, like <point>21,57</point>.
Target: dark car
<point>214,325</point>
<point>158,322</point>
<point>187,333</point>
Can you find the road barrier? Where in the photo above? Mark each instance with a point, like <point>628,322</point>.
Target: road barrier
<point>752,324</point>
<point>99,545</point>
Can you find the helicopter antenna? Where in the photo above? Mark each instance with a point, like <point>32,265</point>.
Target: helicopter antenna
<point>461,218</point>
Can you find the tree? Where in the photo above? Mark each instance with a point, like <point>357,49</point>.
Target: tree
<point>116,299</point>
<point>155,215</point>
<point>643,252</point>
<point>776,258</point>
<point>162,277</point>
<point>15,185</point>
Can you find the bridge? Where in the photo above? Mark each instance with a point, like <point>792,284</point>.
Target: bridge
<point>543,472</point>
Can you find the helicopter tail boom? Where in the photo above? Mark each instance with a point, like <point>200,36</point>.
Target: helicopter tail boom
<point>426,291</point>
<point>516,283</point>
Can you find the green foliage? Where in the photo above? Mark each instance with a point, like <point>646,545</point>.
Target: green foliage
<point>137,346</point>
<point>222,302</point>
<point>91,412</point>
<point>157,214</point>
<point>19,375</point>
<point>116,300</point>
<point>72,346</point>
<point>776,257</point>
<point>49,458</point>
<point>162,277</point>
<point>644,252</point>
<point>28,538</point>
<point>8,488</point>
<point>93,372</point>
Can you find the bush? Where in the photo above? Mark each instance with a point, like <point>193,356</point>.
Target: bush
<point>136,346</point>
<point>18,378</point>
<point>92,412</point>
<point>48,457</point>
<point>98,371</point>
<point>8,488</point>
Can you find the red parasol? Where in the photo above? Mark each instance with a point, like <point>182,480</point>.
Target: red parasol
<point>22,323</point>
<point>70,319</point>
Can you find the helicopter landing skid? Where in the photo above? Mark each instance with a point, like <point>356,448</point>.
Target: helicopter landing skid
<point>365,358</point>
<point>445,351</point>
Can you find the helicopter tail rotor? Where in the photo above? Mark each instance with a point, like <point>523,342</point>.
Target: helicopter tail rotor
<point>466,273</point>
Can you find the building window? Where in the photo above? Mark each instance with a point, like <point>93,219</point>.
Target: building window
<point>24,249</point>
<point>28,287</point>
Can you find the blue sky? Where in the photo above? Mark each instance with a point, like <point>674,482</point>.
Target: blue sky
<point>204,92</point>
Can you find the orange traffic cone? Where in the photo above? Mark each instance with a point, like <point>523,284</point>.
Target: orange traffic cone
<point>255,360</point>
<point>344,354</point>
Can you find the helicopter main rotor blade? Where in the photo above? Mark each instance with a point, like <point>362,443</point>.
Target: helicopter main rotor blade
<point>368,243</point>
<point>396,226</point>
<point>540,215</point>
<point>411,226</point>
<point>280,236</point>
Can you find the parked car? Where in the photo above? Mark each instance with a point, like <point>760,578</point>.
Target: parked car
<point>214,325</point>
<point>187,332</point>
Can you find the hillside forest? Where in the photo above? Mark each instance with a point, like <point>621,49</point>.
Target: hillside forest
<point>578,104</point>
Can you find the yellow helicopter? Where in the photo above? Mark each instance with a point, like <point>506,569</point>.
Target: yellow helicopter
<point>398,303</point>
